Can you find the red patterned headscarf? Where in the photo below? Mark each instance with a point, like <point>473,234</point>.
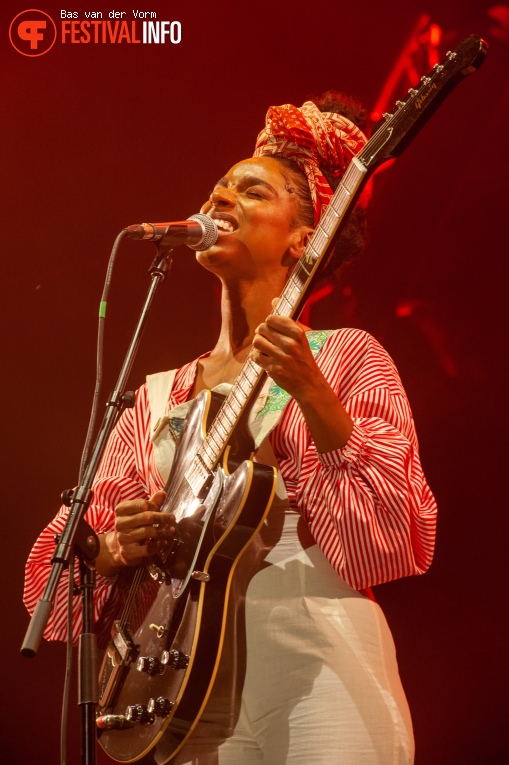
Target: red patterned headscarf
<point>311,137</point>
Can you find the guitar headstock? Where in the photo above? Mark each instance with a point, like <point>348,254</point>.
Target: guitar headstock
<point>398,127</point>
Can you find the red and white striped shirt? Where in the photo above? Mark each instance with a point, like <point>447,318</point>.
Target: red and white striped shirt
<point>368,505</point>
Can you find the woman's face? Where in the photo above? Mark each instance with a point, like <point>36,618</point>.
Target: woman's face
<point>256,211</point>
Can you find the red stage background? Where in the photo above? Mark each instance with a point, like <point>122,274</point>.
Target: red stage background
<point>95,137</point>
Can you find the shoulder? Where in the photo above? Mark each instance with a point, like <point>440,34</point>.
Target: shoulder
<point>353,345</point>
<point>360,361</point>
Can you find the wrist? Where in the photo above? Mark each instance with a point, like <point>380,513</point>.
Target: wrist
<point>108,564</point>
<point>316,394</point>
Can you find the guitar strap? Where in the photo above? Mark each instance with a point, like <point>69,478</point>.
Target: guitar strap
<point>165,424</point>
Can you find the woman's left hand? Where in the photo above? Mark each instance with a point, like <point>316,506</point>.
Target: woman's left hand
<point>280,346</point>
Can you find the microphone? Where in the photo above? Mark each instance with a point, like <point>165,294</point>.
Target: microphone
<point>199,232</point>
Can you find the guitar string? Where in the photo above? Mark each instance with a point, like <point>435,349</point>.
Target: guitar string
<point>138,578</point>
<point>124,618</point>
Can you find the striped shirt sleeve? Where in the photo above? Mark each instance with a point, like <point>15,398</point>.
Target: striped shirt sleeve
<point>122,476</point>
<point>368,505</point>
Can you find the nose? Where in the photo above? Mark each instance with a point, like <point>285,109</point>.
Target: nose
<point>223,198</point>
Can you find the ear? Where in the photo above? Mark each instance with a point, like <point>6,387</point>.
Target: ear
<point>299,238</point>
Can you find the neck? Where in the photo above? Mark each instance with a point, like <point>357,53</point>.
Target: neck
<point>244,305</point>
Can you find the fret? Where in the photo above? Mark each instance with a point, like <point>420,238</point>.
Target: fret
<point>288,302</point>
<point>306,266</point>
<point>345,188</point>
<point>322,229</point>
<point>233,393</point>
<point>315,255</point>
<point>243,378</point>
<point>208,451</point>
<point>293,279</point>
<point>208,461</point>
<point>318,243</point>
<point>224,412</point>
<point>234,404</point>
<point>294,292</point>
<point>299,272</point>
<point>226,433</point>
<point>340,200</point>
<point>196,475</point>
<point>254,371</point>
<point>211,437</point>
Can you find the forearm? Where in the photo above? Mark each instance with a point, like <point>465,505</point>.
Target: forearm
<point>37,572</point>
<point>328,421</point>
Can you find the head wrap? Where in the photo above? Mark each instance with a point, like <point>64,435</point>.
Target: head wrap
<point>311,138</point>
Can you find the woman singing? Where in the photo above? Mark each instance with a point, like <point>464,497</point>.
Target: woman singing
<point>308,673</point>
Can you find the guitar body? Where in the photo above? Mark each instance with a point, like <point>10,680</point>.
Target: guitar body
<point>175,628</point>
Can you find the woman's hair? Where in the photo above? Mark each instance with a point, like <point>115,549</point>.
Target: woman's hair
<point>353,236</point>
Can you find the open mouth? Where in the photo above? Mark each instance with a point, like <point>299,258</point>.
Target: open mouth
<point>225,223</point>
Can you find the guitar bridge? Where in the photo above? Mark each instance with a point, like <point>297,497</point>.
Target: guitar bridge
<point>119,654</point>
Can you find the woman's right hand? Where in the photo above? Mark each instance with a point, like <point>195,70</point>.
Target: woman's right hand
<point>141,531</point>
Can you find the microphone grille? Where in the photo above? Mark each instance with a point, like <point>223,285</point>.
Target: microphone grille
<point>210,232</point>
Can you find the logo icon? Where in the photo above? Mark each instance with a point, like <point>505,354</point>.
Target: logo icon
<point>32,33</point>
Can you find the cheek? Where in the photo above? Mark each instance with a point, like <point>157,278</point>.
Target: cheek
<point>277,221</point>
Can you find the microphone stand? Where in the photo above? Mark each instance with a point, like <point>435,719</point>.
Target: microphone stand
<point>78,538</point>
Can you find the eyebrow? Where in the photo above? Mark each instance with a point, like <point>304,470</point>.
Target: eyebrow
<point>247,181</point>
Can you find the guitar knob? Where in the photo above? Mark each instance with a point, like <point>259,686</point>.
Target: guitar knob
<point>140,714</point>
<point>150,665</point>
<point>160,706</point>
<point>175,659</point>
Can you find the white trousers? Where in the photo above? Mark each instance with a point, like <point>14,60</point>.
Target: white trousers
<point>314,680</point>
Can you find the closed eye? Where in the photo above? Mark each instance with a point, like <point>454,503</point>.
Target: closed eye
<point>254,192</point>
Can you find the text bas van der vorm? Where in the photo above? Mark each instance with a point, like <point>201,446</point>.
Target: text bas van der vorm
<point>114,27</point>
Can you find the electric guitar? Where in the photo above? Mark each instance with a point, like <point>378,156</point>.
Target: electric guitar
<point>165,648</point>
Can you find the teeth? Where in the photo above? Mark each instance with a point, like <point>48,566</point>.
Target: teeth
<point>224,225</point>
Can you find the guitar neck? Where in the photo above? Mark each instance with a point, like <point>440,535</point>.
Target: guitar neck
<point>303,276</point>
